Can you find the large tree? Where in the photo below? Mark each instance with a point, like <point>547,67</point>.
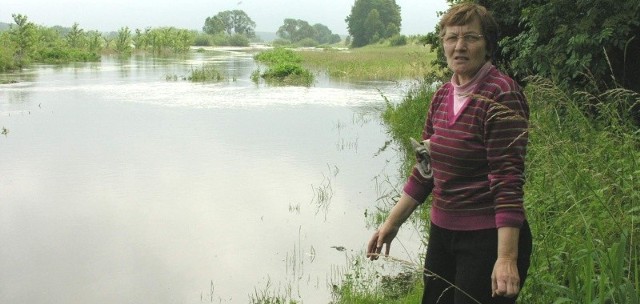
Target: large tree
<point>371,20</point>
<point>230,22</point>
<point>324,35</point>
<point>296,30</point>
<point>76,36</point>
<point>24,36</point>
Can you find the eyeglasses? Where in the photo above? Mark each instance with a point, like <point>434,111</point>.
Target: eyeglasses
<point>470,38</point>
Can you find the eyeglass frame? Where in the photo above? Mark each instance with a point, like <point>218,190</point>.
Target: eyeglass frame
<point>468,38</point>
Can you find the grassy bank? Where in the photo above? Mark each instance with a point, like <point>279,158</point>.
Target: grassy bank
<point>582,196</point>
<point>373,62</point>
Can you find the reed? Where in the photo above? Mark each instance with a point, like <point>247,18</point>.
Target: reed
<point>205,73</point>
<point>272,295</point>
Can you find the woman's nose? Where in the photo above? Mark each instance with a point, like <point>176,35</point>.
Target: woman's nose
<point>460,44</point>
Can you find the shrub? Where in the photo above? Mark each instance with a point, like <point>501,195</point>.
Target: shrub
<point>278,55</point>
<point>280,42</point>
<point>398,40</point>
<point>307,42</point>
<point>6,54</point>
<point>238,40</point>
<point>203,39</point>
<point>284,68</point>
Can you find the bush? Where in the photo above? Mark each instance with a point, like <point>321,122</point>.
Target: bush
<point>280,42</point>
<point>203,39</point>
<point>398,40</point>
<point>238,40</point>
<point>7,50</point>
<point>278,55</point>
<point>219,40</point>
<point>583,45</point>
<point>233,40</point>
<point>307,42</point>
<point>284,68</point>
<point>58,54</point>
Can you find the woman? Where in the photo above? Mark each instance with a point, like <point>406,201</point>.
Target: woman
<point>476,128</point>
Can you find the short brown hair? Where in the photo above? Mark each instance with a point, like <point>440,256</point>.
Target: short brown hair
<point>464,13</point>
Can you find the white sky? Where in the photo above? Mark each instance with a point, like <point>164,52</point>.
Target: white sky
<point>418,16</point>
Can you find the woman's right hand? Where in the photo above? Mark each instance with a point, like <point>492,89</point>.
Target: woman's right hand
<point>388,231</point>
<point>382,236</point>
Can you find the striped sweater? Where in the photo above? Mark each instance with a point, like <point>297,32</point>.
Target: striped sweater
<point>477,157</point>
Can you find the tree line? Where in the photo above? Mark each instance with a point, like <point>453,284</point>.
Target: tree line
<point>238,28</point>
<point>25,42</point>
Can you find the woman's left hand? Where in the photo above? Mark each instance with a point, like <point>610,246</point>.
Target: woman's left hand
<point>505,280</point>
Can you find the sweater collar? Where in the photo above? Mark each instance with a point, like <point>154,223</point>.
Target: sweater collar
<point>469,86</point>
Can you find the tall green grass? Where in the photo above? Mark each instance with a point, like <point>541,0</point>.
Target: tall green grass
<point>372,62</point>
<point>582,195</point>
<point>583,198</point>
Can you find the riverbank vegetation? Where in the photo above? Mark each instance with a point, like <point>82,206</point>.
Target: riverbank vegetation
<point>25,43</point>
<point>582,189</point>
<point>582,196</point>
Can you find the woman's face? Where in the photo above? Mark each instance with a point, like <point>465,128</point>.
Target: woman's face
<point>465,49</point>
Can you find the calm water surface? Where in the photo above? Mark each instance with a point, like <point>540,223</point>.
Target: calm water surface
<point>118,186</point>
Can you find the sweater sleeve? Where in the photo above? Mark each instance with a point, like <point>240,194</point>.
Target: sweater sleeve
<point>506,137</point>
<point>417,187</point>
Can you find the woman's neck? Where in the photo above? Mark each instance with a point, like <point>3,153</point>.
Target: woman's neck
<point>463,81</point>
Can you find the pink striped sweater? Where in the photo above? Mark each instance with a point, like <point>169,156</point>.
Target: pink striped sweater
<point>477,157</point>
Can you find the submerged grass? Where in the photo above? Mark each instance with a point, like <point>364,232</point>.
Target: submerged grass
<point>205,73</point>
<point>283,68</point>
<point>272,295</point>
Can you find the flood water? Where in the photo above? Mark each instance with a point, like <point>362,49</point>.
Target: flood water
<point>120,186</point>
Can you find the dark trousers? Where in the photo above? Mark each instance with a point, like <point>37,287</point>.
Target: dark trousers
<point>466,260</point>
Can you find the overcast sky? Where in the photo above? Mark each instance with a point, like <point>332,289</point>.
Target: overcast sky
<point>418,16</point>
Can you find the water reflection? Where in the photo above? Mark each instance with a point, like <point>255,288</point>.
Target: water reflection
<point>123,187</point>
